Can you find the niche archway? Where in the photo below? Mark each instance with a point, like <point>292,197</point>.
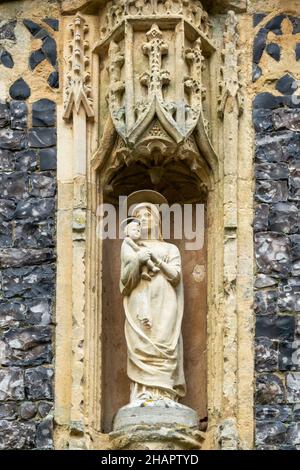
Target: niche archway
<point>181,185</point>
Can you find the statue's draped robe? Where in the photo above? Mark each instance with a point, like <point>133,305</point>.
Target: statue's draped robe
<point>155,355</point>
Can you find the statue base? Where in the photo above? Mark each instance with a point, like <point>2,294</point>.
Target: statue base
<point>156,425</point>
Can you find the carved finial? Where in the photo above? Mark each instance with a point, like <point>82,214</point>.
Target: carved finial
<point>229,84</point>
<point>155,48</point>
<point>78,90</point>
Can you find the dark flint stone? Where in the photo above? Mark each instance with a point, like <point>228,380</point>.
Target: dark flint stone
<point>274,51</point>
<point>257,18</point>
<point>275,327</point>
<point>265,302</point>
<point>42,34</point>
<point>6,234</point>
<point>11,313</point>
<point>274,24</point>
<point>286,119</point>
<point>42,185</point>
<point>30,282</point>
<point>49,49</point>
<point>267,101</point>
<point>273,253</point>
<point>262,120</point>
<point>295,240</point>
<point>14,185</point>
<point>43,113</point>
<point>48,159</point>
<point>7,209</point>
<point>32,27</point>
<point>286,85</point>
<point>256,73</point>
<point>297,327</point>
<point>284,217</point>
<point>266,355</point>
<point>261,219</point>
<point>279,147</point>
<point>53,80</point>
<point>7,30</point>
<point>8,411</point>
<point>265,447</point>
<point>293,435</point>
<point>4,115</point>
<point>296,24</point>
<point>6,59</point>
<point>36,57</point>
<point>259,45</point>
<point>7,160</point>
<point>28,410</point>
<point>17,435</point>
<point>18,257</point>
<point>52,22</point>
<point>35,356</point>
<point>11,384</point>
<point>271,191</point>
<point>289,355</point>
<point>19,113</point>
<point>294,179</point>
<point>44,409</point>
<point>271,171</point>
<point>27,338</point>
<point>19,90</point>
<point>38,383</point>
<point>289,295</point>
<point>269,389</point>
<point>298,51</point>
<point>12,140</point>
<point>35,208</point>
<point>273,413</point>
<point>38,311</point>
<point>44,433</point>
<point>293,387</point>
<point>34,234</point>
<point>270,433</point>
<point>296,412</point>
<point>26,160</point>
<point>40,137</point>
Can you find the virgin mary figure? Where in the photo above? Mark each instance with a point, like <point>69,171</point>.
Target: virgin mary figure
<point>153,306</point>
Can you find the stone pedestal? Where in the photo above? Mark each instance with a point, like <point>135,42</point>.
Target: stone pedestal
<point>156,425</point>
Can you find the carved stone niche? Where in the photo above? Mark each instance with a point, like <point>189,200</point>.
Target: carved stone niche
<point>146,93</point>
<point>155,109</point>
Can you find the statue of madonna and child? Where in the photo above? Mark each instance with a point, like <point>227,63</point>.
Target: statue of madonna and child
<point>152,288</point>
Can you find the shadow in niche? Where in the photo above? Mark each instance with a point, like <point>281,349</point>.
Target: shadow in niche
<point>179,185</point>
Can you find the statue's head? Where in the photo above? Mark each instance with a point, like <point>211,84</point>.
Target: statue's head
<point>143,206</point>
<point>148,215</point>
<point>133,230</point>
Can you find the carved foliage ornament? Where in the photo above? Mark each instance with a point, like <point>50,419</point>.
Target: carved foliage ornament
<point>178,112</point>
<point>229,84</point>
<point>78,90</point>
<point>118,10</point>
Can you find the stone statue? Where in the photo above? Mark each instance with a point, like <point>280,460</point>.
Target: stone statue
<point>153,306</point>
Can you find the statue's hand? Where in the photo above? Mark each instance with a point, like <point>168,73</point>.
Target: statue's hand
<point>144,254</point>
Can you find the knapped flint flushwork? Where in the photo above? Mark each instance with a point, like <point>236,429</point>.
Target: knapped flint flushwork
<point>277,241</point>
<point>27,263</point>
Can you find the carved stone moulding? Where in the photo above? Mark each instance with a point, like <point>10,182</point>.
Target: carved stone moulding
<point>155,426</point>
<point>155,74</point>
<point>157,438</point>
<point>214,6</point>
<point>179,171</point>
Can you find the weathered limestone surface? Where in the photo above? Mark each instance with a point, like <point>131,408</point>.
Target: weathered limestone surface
<point>27,223</point>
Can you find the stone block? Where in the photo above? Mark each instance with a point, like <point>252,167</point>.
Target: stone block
<point>273,254</point>
<point>266,355</point>
<point>11,384</point>
<point>275,327</point>
<point>269,390</point>
<point>293,387</point>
